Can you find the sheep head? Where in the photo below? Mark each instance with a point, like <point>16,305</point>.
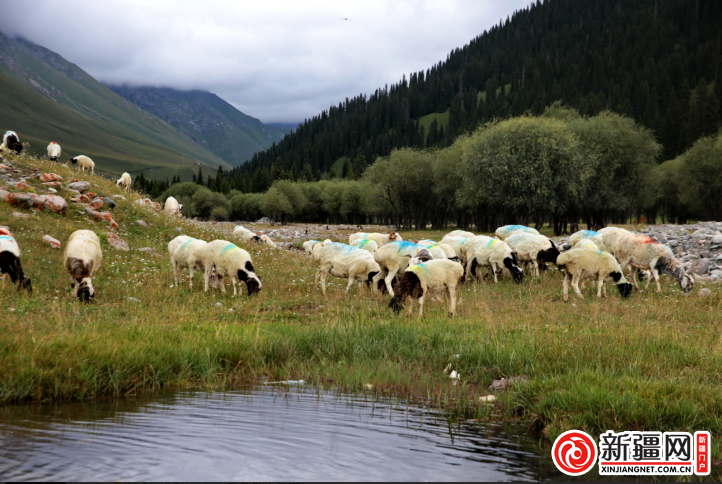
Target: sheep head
<point>392,236</point>
<point>669,265</point>
<point>548,255</point>
<point>84,290</point>
<point>516,273</point>
<point>25,283</point>
<point>408,285</point>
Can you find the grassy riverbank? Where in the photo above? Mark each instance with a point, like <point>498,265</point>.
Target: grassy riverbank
<point>650,362</point>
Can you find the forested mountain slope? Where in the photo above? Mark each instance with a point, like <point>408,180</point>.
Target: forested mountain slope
<point>207,119</point>
<point>653,60</point>
<point>44,98</point>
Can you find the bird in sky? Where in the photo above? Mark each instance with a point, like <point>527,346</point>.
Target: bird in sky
<point>345,19</point>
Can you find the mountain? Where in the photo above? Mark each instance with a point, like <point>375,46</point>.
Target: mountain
<point>207,119</point>
<point>44,98</point>
<point>643,59</point>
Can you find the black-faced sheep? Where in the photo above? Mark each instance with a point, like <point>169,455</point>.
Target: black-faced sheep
<point>125,181</point>
<point>229,260</point>
<point>344,261</point>
<point>393,259</point>
<point>426,278</point>
<point>492,253</point>
<point>82,259</point>
<point>591,263</point>
<point>84,163</point>
<point>172,207</point>
<point>11,142</point>
<point>10,261</point>
<point>533,249</point>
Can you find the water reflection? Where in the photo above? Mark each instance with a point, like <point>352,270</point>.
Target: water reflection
<point>259,434</point>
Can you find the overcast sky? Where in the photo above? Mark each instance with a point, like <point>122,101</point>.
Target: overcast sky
<point>276,60</point>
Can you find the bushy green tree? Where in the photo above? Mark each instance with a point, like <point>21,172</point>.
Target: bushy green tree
<point>276,205</point>
<point>204,201</point>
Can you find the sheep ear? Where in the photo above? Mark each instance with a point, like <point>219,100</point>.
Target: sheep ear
<point>616,276</point>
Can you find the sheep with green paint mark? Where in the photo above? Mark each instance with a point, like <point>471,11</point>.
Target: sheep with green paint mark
<point>185,253</point>
<point>365,244</point>
<point>426,278</point>
<point>508,230</point>
<point>343,261</point>
<point>492,253</point>
<point>229,260</point>
<point>393,259</point>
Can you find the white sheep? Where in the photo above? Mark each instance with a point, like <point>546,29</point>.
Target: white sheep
<point>125,181</point>
<point>11,142</point>
<point>642,252</point>
<point>344,261</point>
<point>10,261</point>
<point>586,244</point>
<point>426,278</point>
<point>460,233</point>
<point>508,230</point>
<point>380,239</point>
<point>54,151</point>
<point>84,163</point>
<point>438,250</point>
<point>533,249</point>
<point>267,240</point>
<point>82,259</point>
<point>172,207</point>
<point>229,260</point>
<point>185,253</point>
<point>393,259</point>
<point>245,234</point>
<point>591,263</point>
<point>492,253</point>
<point>308,246</point>
<point>581,234</point>
<point>455,243</point>
<point>365,244</point>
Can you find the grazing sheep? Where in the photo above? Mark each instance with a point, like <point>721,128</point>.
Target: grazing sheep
<point>54,151</point>
<point>508,230</point>
<point>172,207</point>
<point>394,257</point>
<point>642,252</point>
<point>365,244</point>
<point>460,233</point>
<point>344,261</point>
<point>455,244</point>
<point>586,244</point>
<point>591,263</point>
<point>426,278</point>
<point>125,181</point>
<point>491,253</point>
<point>308,246</point>
<point>245,234</point>
<point>185,253</point>
<point>267,240</point>
<point>380,239</point>
<point>437,250</point>
<point>582,234</point>
<point>82,259</point>
<point>533,249</point>
<point>84,163</point>
<point>10,261</point>
<point>11,142</point>
<point>229,260</point>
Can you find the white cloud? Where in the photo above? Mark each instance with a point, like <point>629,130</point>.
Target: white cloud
<point>277,60</point>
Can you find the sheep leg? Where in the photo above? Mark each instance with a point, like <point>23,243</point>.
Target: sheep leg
<point>600,285</point>
<point>174,264</point>
<point>536,268</point>
<point>468,269</point>
<point>452,299</point>
<point>207,276</point>
<point>411,306</point>
<point>389,278</point>
<point>655,274</point>
<point>233,283</point>
<point>324,274</point>
<point>376,279</point>
<point>575,285</point>
<point>190,277</point>
<point>421,305</point>
<point>567,280</point>
<point>317,279</point>
<point>493,270</point>
<point>350,283</point>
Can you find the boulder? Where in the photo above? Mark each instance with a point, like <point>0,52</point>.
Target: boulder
<point>22,184</point>
<point>673,243</point>
<point>54,243</point>
<point>97,203</point>
<point>21,215</point>
<point>23,200</point>
<point>81,186</point>
<point>705,292</point>
<point>700,266</point>
<point>115,241</point>
<point>3,194</point>
<point>73,192</point>
<point>717,239</point>
<point>109,202</point>
<point>54,184</point>
<point>54,203</point>
<point>52,190</point>
<point>50,177</point>
<point>105,216</point>
<point>142,223</point>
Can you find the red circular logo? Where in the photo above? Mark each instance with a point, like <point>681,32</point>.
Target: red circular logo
<point>574,452</point>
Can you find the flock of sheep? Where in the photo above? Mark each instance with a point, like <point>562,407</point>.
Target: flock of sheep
<point>11,143</point>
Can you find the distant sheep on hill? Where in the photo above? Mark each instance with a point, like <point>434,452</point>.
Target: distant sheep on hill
<point>11,142</point>
<point>54,151</point>
<point>84,163</point>
<point>125,181</point>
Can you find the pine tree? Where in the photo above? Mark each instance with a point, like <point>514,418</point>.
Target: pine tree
<point>694,126</point>
<point>344,170</point>
<point>200,176</point>
<point>359,166</point>
<point>718,93</point>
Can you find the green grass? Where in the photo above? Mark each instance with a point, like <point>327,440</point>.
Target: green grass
<point>507,89</point>
<point>442,119</point>
<point>650,362</point>
<point>337,166</point>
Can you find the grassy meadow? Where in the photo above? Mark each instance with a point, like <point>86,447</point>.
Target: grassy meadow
<point>649,362</point>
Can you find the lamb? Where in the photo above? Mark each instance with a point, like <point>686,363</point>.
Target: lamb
<point>84,163</point>
<point>229,260</point>
<point>172,207</point>
<point>245,234</point>
<point>508,230</point>
<point>394,257</point>
<point>82,259</point>
<point>642,252</point>
<point>308,246</point>
<point>125,181</point>
<point>10,261</point>
<point>267,240</point>
<point>11,142</point>
<point>460,233</point>
<point>54,151</point>
<point>582,234</point>
<point>380,239</point>
<point>344,261</point>
<point>426,278</point>
<point>492,253</point>
<point>533,249</point>
<point>185,253</point>
<point>365,244</point>
<point>591,263</point>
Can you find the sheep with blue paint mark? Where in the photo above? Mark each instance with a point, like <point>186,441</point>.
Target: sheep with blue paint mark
<point>508,230</point>
<point>493,254</point>
<point>229,260</point>
<point>245,234</point>
<point>380,239</point>
<point>185,254</point>
<point>461,233</point>
<point>591,263</point>
<point>308,246</point>
<point>582,234</point>
<point>393,259</point>
<point>533,249</point>
<point>586,244</point>
<point>365,244</point>
<point>456,243</point>
<point>426,278</point>
<point>10,261</point>
<point>344,261</point>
